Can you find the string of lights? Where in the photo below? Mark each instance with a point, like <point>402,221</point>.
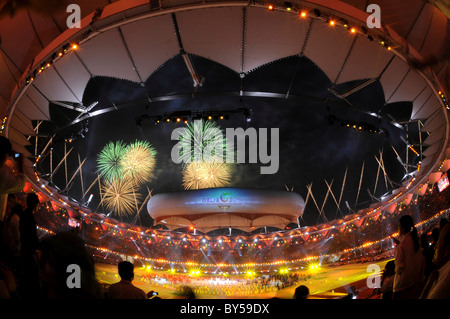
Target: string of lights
<point>358,126</point>
<point>187,116</point>
<point>308,259</point>
<point>284,233</point>
<point>66,48</point>
<point>305,12</point>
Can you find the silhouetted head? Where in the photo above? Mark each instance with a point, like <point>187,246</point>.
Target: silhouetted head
<point>301,292</point>
<point>406,225</point>
<point>389,268</point>
<point>59,253</point>
<point>187,292</point>
<point>5,149</point>
<point>126,270</point>
<point>32,201</point>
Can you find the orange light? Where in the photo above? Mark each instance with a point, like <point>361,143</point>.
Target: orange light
<point>60,54</point>
<point>270,7</point>
<point>48,65</point>
<point>412,149</point>
<point>303,14</point>
<point>332,23</point>
<point>352,30</point>
<point>389,48</point>
<point>74,46</point>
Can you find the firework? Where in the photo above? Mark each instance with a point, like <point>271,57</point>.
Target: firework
<point>138,162</point>
<point>120,196</point>
<point>206,175</point>
<point>203,141</point>
<point>109,161</point>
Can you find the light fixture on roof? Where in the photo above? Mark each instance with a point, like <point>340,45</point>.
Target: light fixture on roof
<point>248,115</point>
<point>288,5</point>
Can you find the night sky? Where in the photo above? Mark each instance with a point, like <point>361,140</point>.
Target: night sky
<point>312,149</point>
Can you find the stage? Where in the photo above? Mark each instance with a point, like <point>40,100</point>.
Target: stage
<point>326,282</point>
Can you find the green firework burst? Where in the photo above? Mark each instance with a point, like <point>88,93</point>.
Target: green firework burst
<point>203,141</point>
<point>109,161</point>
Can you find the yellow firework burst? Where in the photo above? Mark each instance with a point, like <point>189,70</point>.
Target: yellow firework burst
<point>120,196</point>
<point>138,162</point>
<point>198,175</point>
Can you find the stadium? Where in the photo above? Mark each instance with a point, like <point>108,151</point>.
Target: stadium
<point>362,114</point>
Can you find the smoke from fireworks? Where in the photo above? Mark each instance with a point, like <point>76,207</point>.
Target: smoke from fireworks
<point>109,161</point>
<point>138,162</point>
<point>206,175</point>
<point>120,196</point>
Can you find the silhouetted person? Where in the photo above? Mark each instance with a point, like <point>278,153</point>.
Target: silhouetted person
<point>438,285</point>
<point>29,239</point>
<point>409,262</point>
<point>301,292</point>
<point>11,236</point>
<point>125,289</point>
<point>67,270</point>
<point>12,179</point>
<point>29,243</point>
<point>387,280</point>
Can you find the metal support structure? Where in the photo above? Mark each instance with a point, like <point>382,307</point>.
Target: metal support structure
<point>60,163</point>
<point>76,172</point>
<point>342,191</point>
<point>332,195</point>
<point>360,182</point>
